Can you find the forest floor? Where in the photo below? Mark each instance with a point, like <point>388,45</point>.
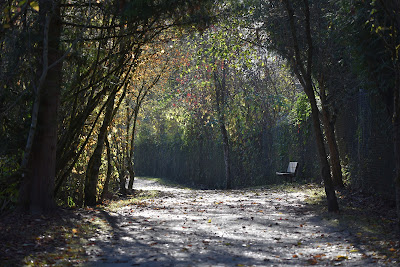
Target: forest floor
<point>163,225</point>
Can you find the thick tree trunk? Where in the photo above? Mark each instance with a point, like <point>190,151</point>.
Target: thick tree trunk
<point>36,192</point>
<point>92,172</point>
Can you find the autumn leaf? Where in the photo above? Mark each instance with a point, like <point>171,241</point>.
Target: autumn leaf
<point>34,5</point>
<point>341,257</point>
<point>312,261</point>
<point>318,256</point>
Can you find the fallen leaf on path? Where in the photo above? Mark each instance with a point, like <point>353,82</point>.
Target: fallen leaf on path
<point>318,256</point>
<point>341,257</point>
<point>312,261</point>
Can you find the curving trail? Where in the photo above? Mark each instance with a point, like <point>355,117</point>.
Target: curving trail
<point>222,228</point>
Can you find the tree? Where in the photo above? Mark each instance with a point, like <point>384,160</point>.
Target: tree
<point>302,66</point>
<point>36,193</point>
<point>93,167</point>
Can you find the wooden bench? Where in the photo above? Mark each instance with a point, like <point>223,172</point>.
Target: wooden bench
<point>291,171</point>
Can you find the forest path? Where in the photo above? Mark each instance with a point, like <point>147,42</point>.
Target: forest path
<point>186,227</point>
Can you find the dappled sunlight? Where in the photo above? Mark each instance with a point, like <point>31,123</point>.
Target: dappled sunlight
<point>209,227</point>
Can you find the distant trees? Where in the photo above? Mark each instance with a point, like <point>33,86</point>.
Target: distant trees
<point>211,125</point>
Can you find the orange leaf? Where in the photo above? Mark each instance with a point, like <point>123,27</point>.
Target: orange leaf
<point>312,261</point>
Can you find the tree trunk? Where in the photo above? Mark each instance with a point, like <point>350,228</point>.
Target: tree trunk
<point>219,99</point>
<point>122,182</point>
<point>131,169</point>
<point>131,176</point>
<point>36,191</point>
<point>227,160</point>
<point>337,177</point>
<point>396,128</point>
<point>92,172</point>
<point>325,168</point>
<point>109,171</point>
<point>329,127</point>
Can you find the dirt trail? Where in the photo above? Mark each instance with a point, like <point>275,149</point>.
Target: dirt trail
<point>222,228</point>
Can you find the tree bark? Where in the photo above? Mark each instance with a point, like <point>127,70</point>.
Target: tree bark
<point>329,127</point>
<point>122,182</point>
<point>92,172</point>
<point>325,168</point>
<point>131,169</point>
<point>36,191</point>
<point>109,171</point>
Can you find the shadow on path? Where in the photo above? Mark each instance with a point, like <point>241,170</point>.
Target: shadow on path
<point>221,228</point>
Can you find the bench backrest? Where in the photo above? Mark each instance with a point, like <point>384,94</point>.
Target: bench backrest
<point>292,167</point>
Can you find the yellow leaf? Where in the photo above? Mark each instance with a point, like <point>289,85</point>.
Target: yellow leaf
<point>34,5</point>
<point>209,221</point>
<point>354,250</point>
<point>74,230</point>
<point>392,249</point>
<point>341,257</point>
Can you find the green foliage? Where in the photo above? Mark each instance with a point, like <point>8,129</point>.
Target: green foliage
<point>9,183</point>
<point>301,111</point>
